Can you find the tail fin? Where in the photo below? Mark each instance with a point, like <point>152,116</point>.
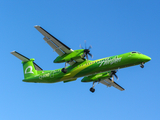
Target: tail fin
<point>30,68</point>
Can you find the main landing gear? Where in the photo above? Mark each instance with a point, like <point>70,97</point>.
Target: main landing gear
<point>64,70</point>
<point>142,65</point>
<point>92,88</point>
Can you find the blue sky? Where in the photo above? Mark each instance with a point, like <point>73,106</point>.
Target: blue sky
<point>111,27</point>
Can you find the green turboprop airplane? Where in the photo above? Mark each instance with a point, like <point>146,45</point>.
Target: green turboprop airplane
<point>97,71</point>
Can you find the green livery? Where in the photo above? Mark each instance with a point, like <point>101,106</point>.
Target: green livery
<point>97,71</point>
<point>68,57</point>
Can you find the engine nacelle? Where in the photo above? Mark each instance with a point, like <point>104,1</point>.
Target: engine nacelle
<point>76,54</point>
<point>97,77</point>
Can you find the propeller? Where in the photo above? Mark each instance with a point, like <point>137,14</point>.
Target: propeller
<point>86,51</point>
<point>113,73</point>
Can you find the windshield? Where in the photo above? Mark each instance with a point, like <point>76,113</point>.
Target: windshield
<point>136,52</point>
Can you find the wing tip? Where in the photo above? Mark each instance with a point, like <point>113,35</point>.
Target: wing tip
<point>13,52</point>
<point>36,26</point>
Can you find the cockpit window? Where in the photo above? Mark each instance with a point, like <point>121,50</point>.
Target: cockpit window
<point>134,52</point>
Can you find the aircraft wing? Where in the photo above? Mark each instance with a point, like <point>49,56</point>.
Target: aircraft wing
<point>57,45</point>
<point>109,83</point>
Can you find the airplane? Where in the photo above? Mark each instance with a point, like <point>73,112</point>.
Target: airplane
<point>97,71</point>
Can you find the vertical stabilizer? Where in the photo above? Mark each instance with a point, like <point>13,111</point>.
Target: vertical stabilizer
<point>29,69</point>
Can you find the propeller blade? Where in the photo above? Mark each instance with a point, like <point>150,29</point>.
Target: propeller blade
<point>90,47</point>
<point>84,54</point>
<point>87,57</point>
<point>90,55</point>
<point>112,78</point>
<point>86,51</point>
<point>81,46</point>
<point>113,73</point>
<point>85,44</point>
<point>116,76</point>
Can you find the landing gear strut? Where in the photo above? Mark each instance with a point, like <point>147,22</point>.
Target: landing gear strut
<point>142,65</point>
<point>92,88</point>
<point>64,70</point>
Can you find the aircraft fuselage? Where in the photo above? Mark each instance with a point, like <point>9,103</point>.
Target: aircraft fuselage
<point>89,67</point>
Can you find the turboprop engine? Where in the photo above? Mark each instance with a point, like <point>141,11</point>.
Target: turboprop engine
<point>100,76</point>
<point>76,54</point>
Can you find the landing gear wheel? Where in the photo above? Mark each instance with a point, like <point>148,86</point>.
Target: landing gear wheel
<point>92,89</point>
<point>64,70</point>
<point>142,65</point>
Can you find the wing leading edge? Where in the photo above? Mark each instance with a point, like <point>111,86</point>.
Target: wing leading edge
<point>59,47</point>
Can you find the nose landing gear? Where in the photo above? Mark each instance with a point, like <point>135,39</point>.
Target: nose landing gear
<point>142,65</point>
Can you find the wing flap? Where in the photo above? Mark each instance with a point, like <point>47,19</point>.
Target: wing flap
<point>105,83</point>
<point>60,53</point>
<point>109,83</point>
<point>56,42</point>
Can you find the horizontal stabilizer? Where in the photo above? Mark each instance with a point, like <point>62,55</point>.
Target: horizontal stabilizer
<point>25,59</point>
<point>20,56</point>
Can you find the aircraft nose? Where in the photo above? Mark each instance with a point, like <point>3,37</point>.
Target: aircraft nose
<point>149,58</point>
<point>146,58</point>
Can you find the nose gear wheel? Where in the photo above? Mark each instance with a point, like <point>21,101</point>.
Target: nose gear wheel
<point>142,65</point>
